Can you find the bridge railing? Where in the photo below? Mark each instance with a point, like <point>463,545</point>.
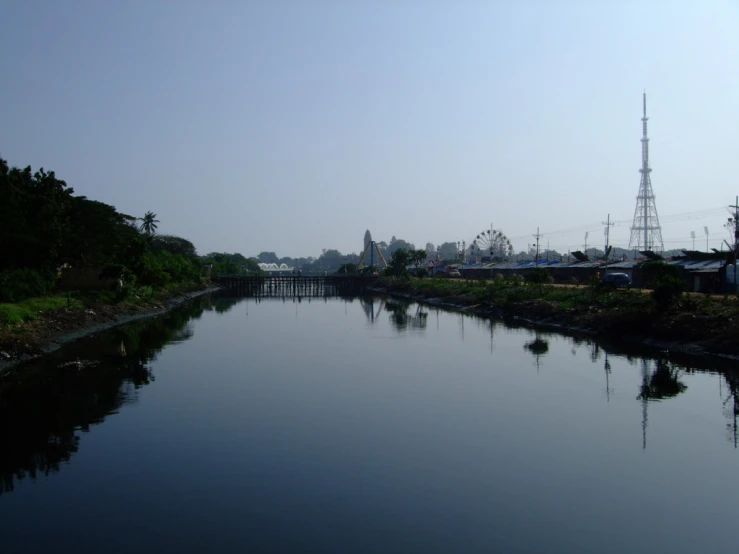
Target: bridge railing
<point>304,285</point>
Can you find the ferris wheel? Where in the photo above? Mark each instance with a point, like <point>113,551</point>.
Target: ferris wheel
<point>491,243</point>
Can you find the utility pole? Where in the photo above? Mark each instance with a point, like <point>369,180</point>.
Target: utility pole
<point>692,236</point>
<point>608,225</point>
<point>736,233</point>
<point>585,248</point>
<point>537,236</point>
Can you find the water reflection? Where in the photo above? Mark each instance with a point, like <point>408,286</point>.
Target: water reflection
<point>660,372</point>
<point>45,404</point>
<point>368,306</point>
<point>403,317</point>
<point>731,406</point>
<point>662,383</point>
<point>538,347</point>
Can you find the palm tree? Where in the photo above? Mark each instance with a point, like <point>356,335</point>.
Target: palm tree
<point>149,225</point>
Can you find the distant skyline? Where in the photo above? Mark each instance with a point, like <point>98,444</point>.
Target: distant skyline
<point>292,126</point>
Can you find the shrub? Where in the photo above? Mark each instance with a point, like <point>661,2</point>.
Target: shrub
<point>145,292</point>
<point>666,290</point>
<point>538,276</point>
<point>655,271</point>
<point>19,284</point>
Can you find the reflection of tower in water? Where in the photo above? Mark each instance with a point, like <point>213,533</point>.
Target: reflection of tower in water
<point>731,405</point>
<point>492,332</point>
<point>645,386</point>
<point>607,368</point>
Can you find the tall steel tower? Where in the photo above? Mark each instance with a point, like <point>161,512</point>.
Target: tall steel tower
<point>646,233</point>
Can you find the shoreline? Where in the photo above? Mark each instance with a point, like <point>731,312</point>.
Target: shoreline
<point>557,323</point>
<point>101,322</point>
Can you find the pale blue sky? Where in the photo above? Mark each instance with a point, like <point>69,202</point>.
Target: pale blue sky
<point>293,126</point>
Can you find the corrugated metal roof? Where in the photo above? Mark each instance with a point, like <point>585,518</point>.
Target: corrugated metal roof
<point>705,266</point>
<point>629,264</point>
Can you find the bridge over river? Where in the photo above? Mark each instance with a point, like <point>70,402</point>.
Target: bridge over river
<point>289,286</point>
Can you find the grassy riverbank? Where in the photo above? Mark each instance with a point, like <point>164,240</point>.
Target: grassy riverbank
<point>33,326</point>
<point>698,324</point>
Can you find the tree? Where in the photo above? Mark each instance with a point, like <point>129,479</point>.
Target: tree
<point>99,235</point>
<point>34,218</point>
<point>399,262</point>
<point>418,256</point>
<point>230,264</point>
<point>149,223</point>
<point>173,245</point>
<point>665,282</point>
<point>268,258</point>
<point>538,277</point>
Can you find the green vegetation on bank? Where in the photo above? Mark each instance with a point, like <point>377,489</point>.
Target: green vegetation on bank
<point>664,303</point>
<point>505,293</point>
<point>52,240</point>
<point>31,308</point>
<point>663,280</point>
<point>692,322</point>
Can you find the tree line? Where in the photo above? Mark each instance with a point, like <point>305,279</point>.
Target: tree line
<point>44,226</point>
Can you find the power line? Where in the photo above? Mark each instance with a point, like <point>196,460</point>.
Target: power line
<point>671,218</point>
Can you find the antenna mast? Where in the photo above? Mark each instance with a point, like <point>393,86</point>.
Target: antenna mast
<point>646,232</point>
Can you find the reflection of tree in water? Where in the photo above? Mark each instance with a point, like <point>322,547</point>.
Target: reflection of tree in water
<point>661,379</point>
<point>538,347</point>
<point>45,403</point>
<point>401,317</point>
<point>663,383</point>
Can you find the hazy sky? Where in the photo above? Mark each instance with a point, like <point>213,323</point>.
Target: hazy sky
<point>293,126</point>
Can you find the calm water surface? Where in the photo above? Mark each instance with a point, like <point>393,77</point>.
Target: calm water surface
<point>236,425</point>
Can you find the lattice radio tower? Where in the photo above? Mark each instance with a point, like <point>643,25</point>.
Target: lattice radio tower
<point>646,233</point>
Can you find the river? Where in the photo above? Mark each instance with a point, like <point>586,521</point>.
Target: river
<point>363,425</point>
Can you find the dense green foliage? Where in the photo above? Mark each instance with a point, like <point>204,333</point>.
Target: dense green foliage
<point>44,227</point>
<point>231,264</point>
<point>398,262</point>
<point>665,282</point>
<point>17,284</point>
<point>508,293</point>
<point>538,276</point>
<point>667,290</point>
<point>402,258</point>
<point>654,271</point>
